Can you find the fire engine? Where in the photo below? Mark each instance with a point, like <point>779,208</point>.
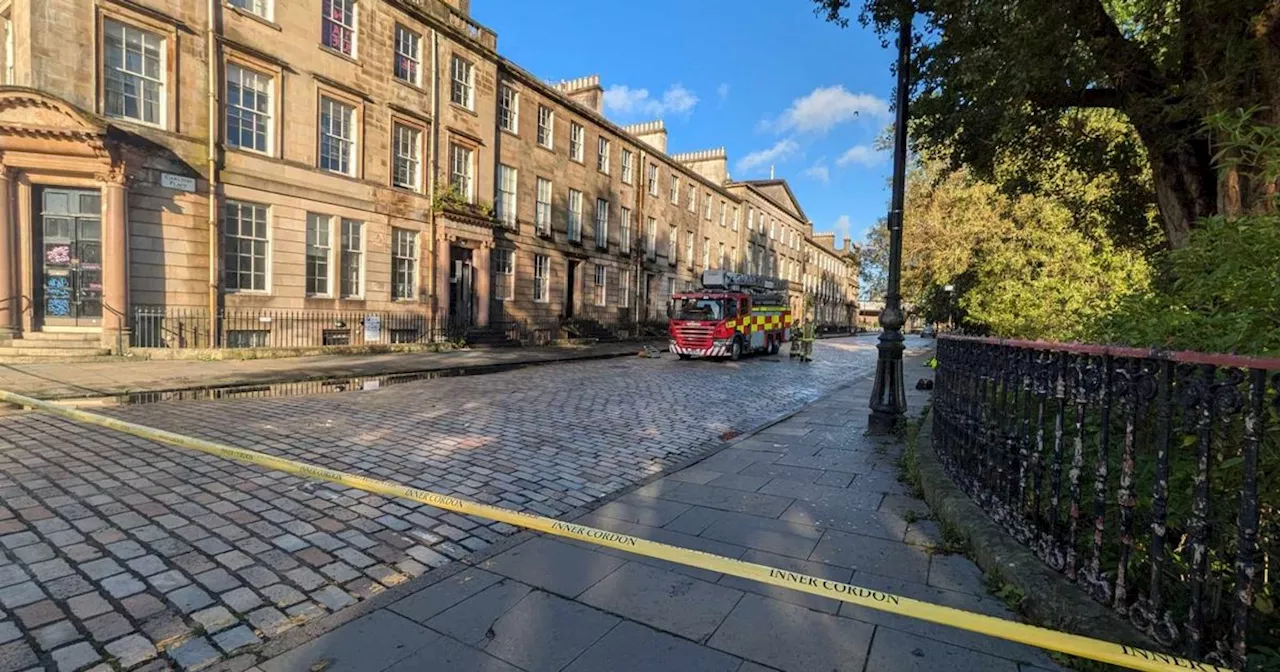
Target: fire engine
<point>734,314</point>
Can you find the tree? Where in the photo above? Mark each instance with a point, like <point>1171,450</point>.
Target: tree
<point>1221,292</point>
<point>1020,266</point>
<point>995,77</point>
<point>873,262</point>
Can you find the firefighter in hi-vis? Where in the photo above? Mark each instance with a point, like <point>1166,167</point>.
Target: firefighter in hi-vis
<point>732,315</point>
<point>802,343</point>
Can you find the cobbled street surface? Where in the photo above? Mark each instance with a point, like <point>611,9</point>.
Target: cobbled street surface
<point>117,551</point>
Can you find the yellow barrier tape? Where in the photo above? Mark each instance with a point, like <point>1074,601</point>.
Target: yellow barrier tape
<point>1052,640</point>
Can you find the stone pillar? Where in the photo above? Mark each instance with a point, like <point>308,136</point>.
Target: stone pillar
<point>483,278</point>
<point>9,309</point>
<point>443,273</point>
<point>115,264</point>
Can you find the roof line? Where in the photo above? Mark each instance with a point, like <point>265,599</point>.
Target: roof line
<point>790,194</point>
<point>551,92</point>
<point>767,197</point>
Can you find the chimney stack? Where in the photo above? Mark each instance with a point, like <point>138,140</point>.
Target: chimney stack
<point>652,133</point>
<point>585,91</point>
<point>712,164</point>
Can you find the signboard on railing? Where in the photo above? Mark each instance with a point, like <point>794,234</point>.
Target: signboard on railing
<point>372,329</point>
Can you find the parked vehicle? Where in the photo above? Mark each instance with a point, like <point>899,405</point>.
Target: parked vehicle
<point>929,331</point>
<point>734,314</point>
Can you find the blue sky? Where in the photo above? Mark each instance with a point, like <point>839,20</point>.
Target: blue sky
<point>766,79</point>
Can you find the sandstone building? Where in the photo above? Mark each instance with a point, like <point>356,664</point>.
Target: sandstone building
<point>332,172</point>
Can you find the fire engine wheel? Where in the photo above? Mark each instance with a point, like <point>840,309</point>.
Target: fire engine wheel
<point>735,350</point>
<point>684,356</point>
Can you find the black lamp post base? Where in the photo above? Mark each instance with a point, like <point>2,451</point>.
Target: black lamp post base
<point>885,424</point>
<point>889,394</point>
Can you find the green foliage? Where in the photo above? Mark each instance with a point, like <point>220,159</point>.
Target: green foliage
<point>1103,179</point>
<point>1000,81</point>
<point>1020,267</point>
<point>1222,293</point>
<point>1044,279</point>
<point>1246,145</point>
<point>1008,593</point>
<point>1264,659</point>
<point>449,198</point>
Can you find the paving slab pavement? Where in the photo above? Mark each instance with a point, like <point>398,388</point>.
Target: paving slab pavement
<point>553,604</point>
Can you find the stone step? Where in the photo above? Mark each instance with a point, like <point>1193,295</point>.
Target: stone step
<point>61,336</point>
<point>87,359</point>
<point>41,352</point>
<point>52,344</point>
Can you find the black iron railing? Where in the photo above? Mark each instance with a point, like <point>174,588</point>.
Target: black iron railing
<point>1149,478</point>
<point>181,327</point>
<point>177,327</point>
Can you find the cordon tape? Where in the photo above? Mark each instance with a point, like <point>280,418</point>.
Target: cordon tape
<point>1052,640</point>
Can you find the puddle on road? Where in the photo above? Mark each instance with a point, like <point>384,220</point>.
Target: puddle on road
<point>338,384</point>
<point>298,388</point>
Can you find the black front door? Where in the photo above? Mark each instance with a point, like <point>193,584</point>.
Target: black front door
<point>462,296</point>
<point>71,258</point>
<point>570,287</point>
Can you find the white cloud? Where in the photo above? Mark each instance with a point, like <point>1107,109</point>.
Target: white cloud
<point>722,91</point>
<point>862,155</point>
<point>818,172</point>
<point>625,101</point>
<point>842,229</point>
<point>825,108</point>
<point>778,153</point>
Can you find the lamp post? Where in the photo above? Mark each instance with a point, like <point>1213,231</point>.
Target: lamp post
<point>889,396</point>
<point>951,295</point>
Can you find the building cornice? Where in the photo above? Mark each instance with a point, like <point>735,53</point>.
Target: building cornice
<point>255,53</point>
<point>441,24</point>
<point>152,14</point>
<point>46,115</point>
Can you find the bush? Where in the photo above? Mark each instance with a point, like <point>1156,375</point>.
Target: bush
<point>1220,293</point>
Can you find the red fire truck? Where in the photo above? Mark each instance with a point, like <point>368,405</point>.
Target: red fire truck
<point>734,314</point>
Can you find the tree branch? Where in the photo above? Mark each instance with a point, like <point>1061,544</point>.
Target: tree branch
<point>1097,98</point>
<point>1131,67</point>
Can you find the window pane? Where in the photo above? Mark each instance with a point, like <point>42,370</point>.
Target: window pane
<point>404,263</point>
<point>248,108</point>
<point>245,243</point>
<point>134,77</point>
<point>408,54</point>
<point>406,142</point>
<point>337,136</point>
<point>461,92</point>
<point>352,252</point>
<point>338,25</point>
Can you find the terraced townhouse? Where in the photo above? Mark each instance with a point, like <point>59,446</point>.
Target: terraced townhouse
<point>261,173</point>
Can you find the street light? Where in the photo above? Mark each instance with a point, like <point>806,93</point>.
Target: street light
<point>951,294</point>
<point>889,395</point>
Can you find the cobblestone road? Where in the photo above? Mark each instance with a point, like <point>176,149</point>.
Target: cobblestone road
<point>116,550</point>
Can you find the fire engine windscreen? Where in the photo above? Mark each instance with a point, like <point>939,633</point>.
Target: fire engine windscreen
<point>711,310</point>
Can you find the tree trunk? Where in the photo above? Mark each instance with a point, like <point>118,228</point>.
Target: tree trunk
<point>1186,187</point>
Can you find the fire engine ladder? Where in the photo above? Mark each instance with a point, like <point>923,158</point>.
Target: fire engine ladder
<point>764,291</point>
